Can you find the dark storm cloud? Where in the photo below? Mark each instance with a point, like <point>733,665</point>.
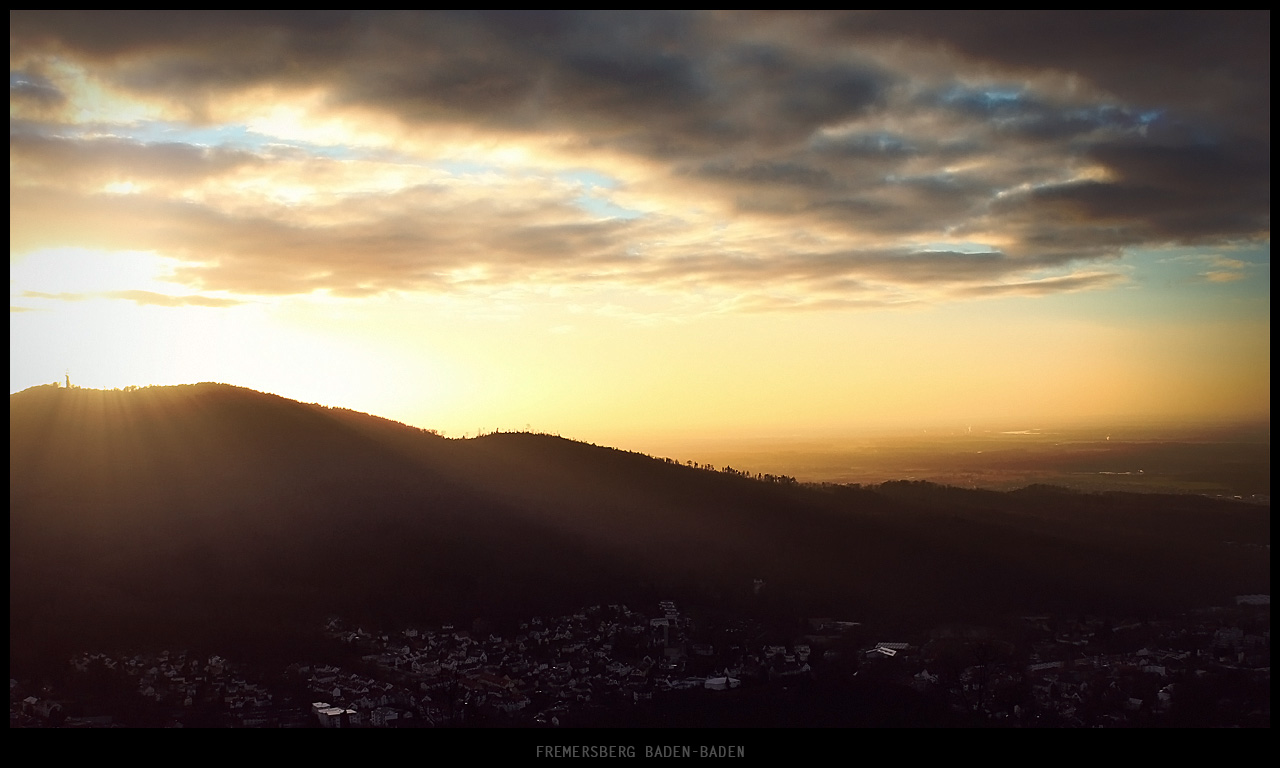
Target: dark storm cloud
<point>768,173</point>
<point>1022,115</point>
<point>1213,62</point>
<point>869,146</point>
<point>905,206</point>
<point>623,73</point>
<point>1207,71</point>
<point>199,49</point>
<point>1190,194</point>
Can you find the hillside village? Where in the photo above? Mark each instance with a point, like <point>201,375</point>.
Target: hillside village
<point>612,664</point>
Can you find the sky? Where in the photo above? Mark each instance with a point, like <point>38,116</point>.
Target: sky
<point>635,227</point>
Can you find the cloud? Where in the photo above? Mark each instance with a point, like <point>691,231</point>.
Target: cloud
<point>32,90</point>
<point>143,298</point>
<point>1223,269</point>
<point>757,303</point>
<point>772,160</point>
<point>1225,263</point>
<point>1222,277</point>
<point>1212,63</point>
<point>1048,285</point>
<point>63,296</point>
<point>150,298</point>
<point>96,160</point>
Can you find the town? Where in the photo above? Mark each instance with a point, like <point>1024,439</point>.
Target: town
<point>612,665</point>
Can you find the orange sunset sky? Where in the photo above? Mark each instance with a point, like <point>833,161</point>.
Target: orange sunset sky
<point>635,227</point>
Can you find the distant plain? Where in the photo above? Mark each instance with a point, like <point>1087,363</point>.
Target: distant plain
<point>1219,460</point>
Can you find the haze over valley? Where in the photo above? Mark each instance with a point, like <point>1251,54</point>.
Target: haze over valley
<point>1219,460</point>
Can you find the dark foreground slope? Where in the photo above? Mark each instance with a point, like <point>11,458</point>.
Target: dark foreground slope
<point>214,514</point>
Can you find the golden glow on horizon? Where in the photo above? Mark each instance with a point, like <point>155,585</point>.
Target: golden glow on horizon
<point>433,363</point>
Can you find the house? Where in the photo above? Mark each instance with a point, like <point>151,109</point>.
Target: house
<point>384,717</point>
<point>51,711</point>
<point>721,683</point>
<point>337,717</point>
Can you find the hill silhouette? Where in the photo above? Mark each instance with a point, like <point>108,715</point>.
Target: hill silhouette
<point>215,514</point>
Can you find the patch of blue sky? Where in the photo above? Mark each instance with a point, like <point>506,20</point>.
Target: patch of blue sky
<point>594,185</point>
<point>594,199</point>
<point>589,178</point>
<point>1001,95</point>
<point>1229,283</point>
<point>157,131</point>
<point>18,79</point>
<point>1017,103</point>
<point>232,136</point>
<point>598,205</point>
<point>1119,116</point>
<point>1241,270</point>
<point>983,99</point>
<point>962,246</point>
<point>468,167</point>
